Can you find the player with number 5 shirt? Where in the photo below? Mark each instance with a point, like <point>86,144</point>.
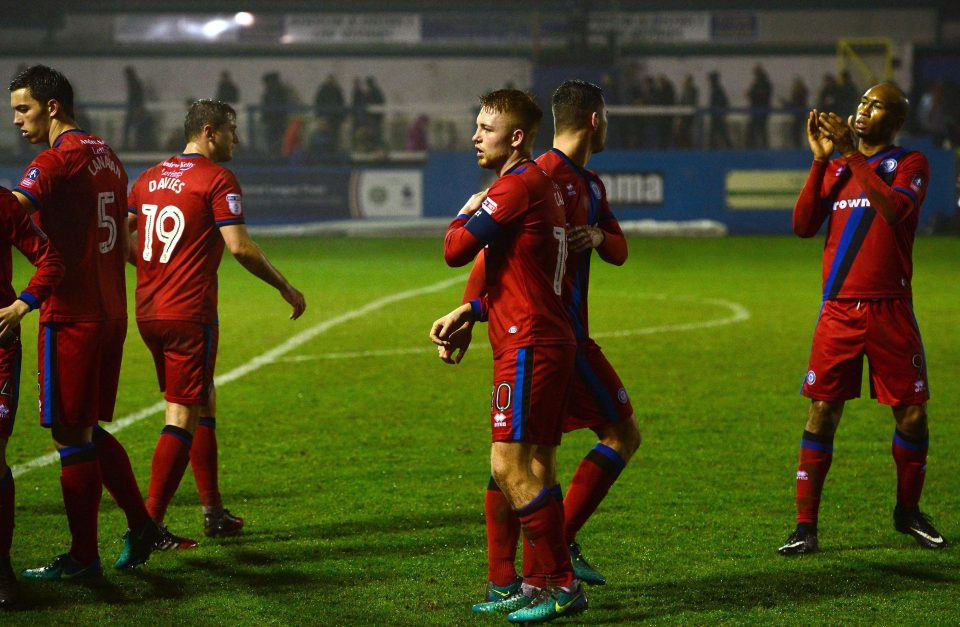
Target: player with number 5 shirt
<point>186,210</point>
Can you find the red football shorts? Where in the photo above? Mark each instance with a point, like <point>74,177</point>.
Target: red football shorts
<point>598,398</point>
<point>10,357</point>
<point>530,390</point>
<point>184,354</point>
<point>885,331</point>
<point>79,370</point>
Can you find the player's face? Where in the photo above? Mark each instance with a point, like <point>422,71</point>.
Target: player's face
<point>493,139</point>
<point>599,139</point>
<point>224,139</point>
<point>30,116</point>
<point>877,118</point>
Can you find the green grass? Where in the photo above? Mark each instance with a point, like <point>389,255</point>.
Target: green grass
<point>360,465</point>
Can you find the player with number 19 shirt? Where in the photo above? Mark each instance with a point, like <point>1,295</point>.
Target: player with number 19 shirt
<point>180,205</point>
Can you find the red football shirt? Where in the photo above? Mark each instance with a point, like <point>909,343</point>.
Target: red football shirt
<point>585,200</point>
<point>16,229</point>
<point>79,188</point>
<point>864,256</point>
<point>180,205</point>
<point>521,222</point>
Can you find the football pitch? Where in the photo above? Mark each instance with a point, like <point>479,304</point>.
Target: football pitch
<point>359,460</point>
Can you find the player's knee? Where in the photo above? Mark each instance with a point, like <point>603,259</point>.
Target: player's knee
<point>824,417</point>
<point>912,420</point>
<point>623,437</point>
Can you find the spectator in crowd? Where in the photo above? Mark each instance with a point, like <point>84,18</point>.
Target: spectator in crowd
<point>328,107</point>
<point>849,95</point>
<point>358,113</point>
<point>689,97</point>
<point>136,108</point>
<point>274,109</point>
<point>417,135</point>
<point>375,97</point>
<point>758,97</point>
<point>932,113</point>
<point>227,90</point>
<point>665,95</point>
<point>829,98</point>
<point>799,108</point>
<point>719,102</point>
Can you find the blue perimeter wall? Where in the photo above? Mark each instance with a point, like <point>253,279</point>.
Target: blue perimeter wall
<point>676,186</point>
<point>694,185</point>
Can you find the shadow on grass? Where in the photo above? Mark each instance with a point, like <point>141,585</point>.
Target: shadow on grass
<point>737,593</point>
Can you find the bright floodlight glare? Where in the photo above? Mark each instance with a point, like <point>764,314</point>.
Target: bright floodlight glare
<point>244,18</point>
<point>214,28</point>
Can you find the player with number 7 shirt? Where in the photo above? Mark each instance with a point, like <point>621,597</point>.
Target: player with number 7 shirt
<point>185,210</point>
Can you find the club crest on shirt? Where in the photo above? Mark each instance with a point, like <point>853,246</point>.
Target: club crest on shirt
<point>811,377</point>
<point>888,165</point>
<point>595,189</point>
<point>840,170</point>
<point>234,204</point>
<point>4,411</point>
<point>917,183</point>
<point>489,205</point>
<point>622,396</point>
<point>571,189</point>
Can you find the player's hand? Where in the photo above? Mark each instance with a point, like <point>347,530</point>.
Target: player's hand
<point>293,296</point>
<point>473,203</point>
<point>10,318</point>
<point>458,342</point>
<point>840,132</point>
<point>444,327</point>
<point>581,238</point>
<point>820,145</point>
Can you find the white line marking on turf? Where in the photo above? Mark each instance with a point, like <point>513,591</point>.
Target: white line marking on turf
<point>738,313</point>
<point>257,362</point>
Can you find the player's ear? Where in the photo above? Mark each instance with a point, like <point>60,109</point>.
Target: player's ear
<point>53,107</point>
<point>516,140</point>
<point>208,132</point>
<point>594,120</point>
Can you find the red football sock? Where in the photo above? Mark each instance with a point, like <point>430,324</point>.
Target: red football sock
<point>542,523</point>
<point>503,531</point>
<point>170,460</point>
<point>590,484</point>
<point>6,513</point>
<point>118,477</point>
<point>816,454</point>
<point>82,485</point>
<point>203,458</point>
<point>911,457</point>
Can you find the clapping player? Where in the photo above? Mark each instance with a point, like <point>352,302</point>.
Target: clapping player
<point>870,198</point>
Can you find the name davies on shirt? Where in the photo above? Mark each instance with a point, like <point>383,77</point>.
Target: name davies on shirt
<point>166,182</point>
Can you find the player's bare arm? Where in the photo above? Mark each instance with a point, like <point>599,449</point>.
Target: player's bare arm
<point>443,328</point>
<point>246,251</point>
<point>473,203</point>
<point>840,132</point>
<point>584,237</point>
<point>820,145</point>
<point>10,318</point>
<point>133,250</point>
<point>25,202</point>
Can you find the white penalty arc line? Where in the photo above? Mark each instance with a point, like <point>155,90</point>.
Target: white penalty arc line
<point>261,360</point>
<point>738,313</point>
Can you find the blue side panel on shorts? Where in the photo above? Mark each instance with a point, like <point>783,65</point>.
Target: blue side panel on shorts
<point>49,365</point>
<point>597,390</point>
<point>519,390</point>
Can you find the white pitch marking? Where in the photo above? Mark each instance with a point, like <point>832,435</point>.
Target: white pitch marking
<point>738,313</point>
<point>257,362</point>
